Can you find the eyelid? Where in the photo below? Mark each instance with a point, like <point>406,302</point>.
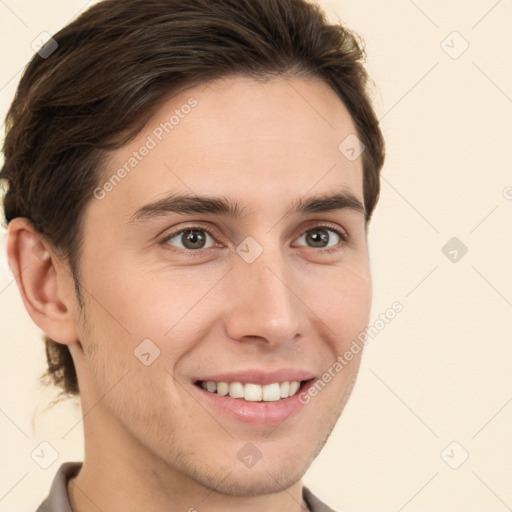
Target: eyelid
<point>319,224</point>
<point>194,226</point>
<point>342,233</point>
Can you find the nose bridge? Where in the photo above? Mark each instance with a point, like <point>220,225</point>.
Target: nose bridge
<point>264,303</point>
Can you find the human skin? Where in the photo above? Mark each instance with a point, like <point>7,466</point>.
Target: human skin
<point>153,441</point>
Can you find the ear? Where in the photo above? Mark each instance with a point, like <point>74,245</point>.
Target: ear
<point>45,282</point>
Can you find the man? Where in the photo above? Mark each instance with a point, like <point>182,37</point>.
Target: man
<point>190,186</point>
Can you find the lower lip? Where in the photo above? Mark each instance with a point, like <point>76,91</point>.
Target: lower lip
<point>262,413</point>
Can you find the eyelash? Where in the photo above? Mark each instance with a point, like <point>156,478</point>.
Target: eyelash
<point>199,252</point>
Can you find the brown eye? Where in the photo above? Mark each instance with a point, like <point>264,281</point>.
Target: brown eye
<point>321,237</point>
<point>191,239</point>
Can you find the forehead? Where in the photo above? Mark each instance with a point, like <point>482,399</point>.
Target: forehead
<point>258,141</point>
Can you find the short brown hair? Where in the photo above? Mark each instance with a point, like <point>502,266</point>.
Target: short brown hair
<point>115,64</point>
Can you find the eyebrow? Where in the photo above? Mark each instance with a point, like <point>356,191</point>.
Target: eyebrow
<point>192,204</point>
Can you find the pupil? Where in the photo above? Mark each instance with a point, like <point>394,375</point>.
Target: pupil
<point>318,237</point>
<point>193,239</point>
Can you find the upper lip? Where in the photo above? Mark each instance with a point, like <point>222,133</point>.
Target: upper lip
<point>261,377</point>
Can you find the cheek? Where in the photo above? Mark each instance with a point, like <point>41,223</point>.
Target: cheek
<point>138,302</point>
<point>343,302</point>
<point>171,309</point>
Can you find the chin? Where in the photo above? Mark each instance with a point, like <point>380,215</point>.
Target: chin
<point>266,476</point>
<point>253,482</point>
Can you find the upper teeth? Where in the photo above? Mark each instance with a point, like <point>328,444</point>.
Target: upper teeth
<point>253,392</point>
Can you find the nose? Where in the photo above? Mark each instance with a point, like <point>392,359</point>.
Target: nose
<point>264,303</point>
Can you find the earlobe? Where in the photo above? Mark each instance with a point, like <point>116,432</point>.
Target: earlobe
<point>44,282</point>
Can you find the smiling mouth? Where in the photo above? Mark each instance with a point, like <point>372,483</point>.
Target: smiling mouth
<point>251,392</point>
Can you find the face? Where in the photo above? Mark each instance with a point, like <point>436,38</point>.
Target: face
<point>207,263</point>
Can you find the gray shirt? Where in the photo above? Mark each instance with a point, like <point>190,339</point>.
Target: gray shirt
<point>58,501</point>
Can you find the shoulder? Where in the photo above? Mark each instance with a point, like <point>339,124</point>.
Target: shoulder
<point>57,499</point>
<point>314,503</point>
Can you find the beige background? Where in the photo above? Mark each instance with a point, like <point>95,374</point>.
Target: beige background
<point>441,371</point>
